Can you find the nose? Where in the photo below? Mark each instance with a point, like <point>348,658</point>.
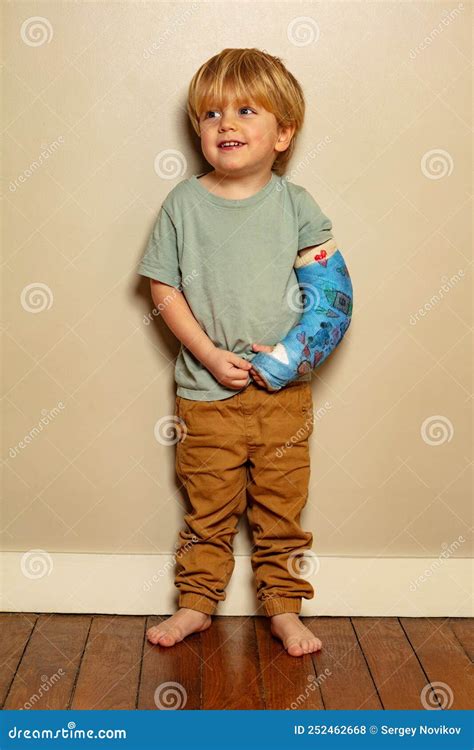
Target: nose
<point>227,120</point>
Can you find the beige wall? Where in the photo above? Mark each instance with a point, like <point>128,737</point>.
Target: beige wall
<point>386,151</point>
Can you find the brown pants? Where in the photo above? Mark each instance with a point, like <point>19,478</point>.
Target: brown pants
<point>253,444</point>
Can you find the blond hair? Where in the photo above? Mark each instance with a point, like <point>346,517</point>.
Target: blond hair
<point>252,74</point>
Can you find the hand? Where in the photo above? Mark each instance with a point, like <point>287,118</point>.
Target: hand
<point>228,368</point>
<point>254,373</point>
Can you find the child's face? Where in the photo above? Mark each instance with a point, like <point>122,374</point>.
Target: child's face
<point>248,123</point>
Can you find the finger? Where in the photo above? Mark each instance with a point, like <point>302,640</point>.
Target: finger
<point>237,374</point>
<point>258,379</point>
<point>240,363</point>
<point>238,383</point>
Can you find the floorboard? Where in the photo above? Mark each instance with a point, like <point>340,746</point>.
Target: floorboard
<point>58,661</point>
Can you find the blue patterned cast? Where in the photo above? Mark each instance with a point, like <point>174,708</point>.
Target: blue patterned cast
<point>327,312</point>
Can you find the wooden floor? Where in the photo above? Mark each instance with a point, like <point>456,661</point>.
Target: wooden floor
<point>55,661</point>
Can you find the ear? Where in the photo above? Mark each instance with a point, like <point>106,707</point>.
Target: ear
<point>285,134</point>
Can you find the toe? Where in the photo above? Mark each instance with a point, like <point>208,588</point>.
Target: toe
<point>166,639</point>
<point>295,649</point>
<point>153,634</point>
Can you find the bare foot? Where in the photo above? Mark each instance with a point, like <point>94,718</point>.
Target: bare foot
<point>178,626</point>
<point>296,637</point>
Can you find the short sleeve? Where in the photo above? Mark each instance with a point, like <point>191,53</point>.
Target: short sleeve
<point>160,259</point>
<point>314,227</point>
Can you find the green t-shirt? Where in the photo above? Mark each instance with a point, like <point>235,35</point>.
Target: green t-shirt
<point>233,260</point>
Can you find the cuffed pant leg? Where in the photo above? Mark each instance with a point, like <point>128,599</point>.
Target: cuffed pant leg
<point>198,602</point>
<point>277,492</point>
<point>279,605</point>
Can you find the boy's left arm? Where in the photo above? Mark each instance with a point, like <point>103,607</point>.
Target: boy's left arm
<point>308,254</point>
<point>327,288</point>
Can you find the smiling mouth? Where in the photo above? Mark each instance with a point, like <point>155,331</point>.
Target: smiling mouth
<point>231,145</point>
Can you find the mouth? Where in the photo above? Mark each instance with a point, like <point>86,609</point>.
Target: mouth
<point>230,145</point>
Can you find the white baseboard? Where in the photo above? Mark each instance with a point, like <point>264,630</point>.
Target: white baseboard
<point>38,581</point>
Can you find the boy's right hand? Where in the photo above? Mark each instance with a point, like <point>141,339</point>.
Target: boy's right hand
<point>228,368</point>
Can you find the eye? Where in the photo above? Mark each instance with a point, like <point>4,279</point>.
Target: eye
<point>215,111</point>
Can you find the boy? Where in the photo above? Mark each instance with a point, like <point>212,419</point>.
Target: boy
<point>229,239</point>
